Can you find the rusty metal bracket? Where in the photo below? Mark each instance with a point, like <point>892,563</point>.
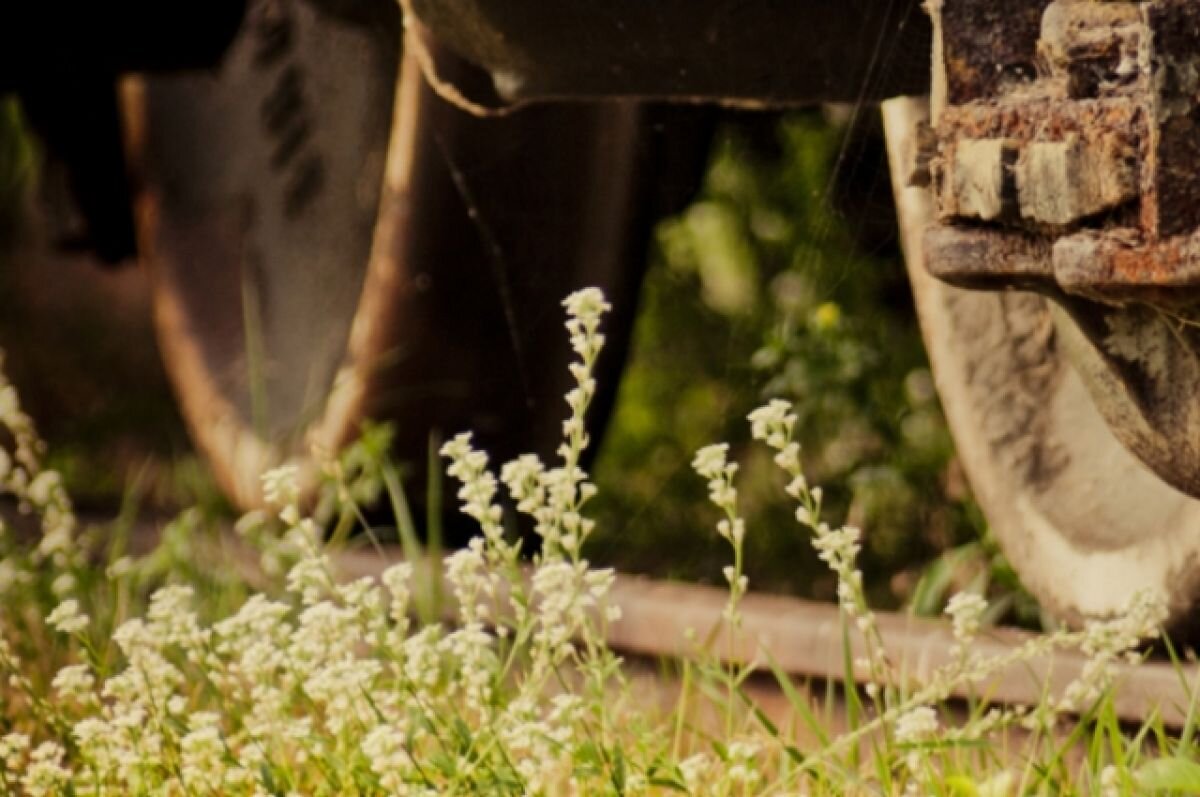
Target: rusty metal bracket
<point>1066,155</point>
<point>1065,158</point>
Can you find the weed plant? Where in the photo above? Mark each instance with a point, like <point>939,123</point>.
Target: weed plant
<point>174,673</point>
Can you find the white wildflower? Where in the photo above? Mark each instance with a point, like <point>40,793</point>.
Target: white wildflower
<point>478,490</point>
<point>797,487</point>
<point>773,424</point>
<point>202,752</point>
<point>1110,782</point>
<point>173,620</point>
<point>788,458</point>
<point>999,785</point>
<point>58,539</point>
<point>67,618</point>
<point>585,308</point>
<point>732,530</point>
<point>587,304</point>
<point>385,747</point>
<point>310,577</point>
<point>150,679</point>
<point>73,682</point>
<point>13,575</point>
<point>281,486</point>
<point>64,584</point>
<point>470,651</point>
<point>743,765</point>
<point>966,610</point>
<point>398,581</point>
<point>45,774</point>
<point>10,407</point>
<point>44,487</point>
<point>560,608</point>
<point>258,618</point>
<point>916,725</point>
<point>13,747</point>
<point>466,570</point>
<point>341,685</point>
<point>422,662</point>
<point>1105,642</point>
<point>710,461</point>
<point>361,595</point>
<point>119,568</point>
<point>695,770</point>
<point>523,477</point>
<point>838,548</point>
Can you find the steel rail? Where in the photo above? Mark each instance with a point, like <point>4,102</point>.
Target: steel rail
<point>662,619</point>
<point>804,638</point>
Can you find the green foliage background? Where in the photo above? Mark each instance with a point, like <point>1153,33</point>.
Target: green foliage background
<point>761,288</point>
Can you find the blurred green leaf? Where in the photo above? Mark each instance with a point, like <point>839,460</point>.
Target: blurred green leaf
<point>1176,775</point>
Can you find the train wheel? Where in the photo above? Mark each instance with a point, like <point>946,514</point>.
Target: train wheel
<point>330,242</point>
<point>1083,521</point>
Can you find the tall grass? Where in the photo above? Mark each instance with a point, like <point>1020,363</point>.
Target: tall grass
<point>176,673</point>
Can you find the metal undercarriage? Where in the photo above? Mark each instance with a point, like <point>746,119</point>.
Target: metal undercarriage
<point>1063,155</point>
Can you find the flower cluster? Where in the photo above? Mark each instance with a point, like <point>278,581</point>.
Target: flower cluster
<point>38,491</point>
<point>712,463</point>
<point>323,685</point>
<point>67,618</point>
<point>332,682</point>
<point>916,725</point>
<point>774,424</point>
<point>910,714</point>
<point>1107,642</point>
<point>965,610</point>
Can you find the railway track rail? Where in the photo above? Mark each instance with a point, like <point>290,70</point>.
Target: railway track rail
<point>660,620</point>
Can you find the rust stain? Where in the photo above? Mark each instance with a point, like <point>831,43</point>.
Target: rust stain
<point>1047,120</point>
<point>1147,265</point>
<point>988,43</point>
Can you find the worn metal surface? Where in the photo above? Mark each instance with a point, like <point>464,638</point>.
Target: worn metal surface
<point>988,44</point>
<point>744,52</point>
<point>259,192</point>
